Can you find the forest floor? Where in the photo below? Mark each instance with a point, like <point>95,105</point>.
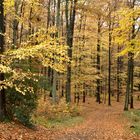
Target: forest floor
<point>100,123</point>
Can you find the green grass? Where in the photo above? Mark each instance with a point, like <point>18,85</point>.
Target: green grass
<point>58,123</point>
<point>134,118</point>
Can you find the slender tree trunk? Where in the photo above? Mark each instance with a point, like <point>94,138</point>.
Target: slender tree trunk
<point>54,86</point>
<point>70,19</point>
<point>30,25</point>
<point>50,73</point>
<point>130,78</point>
<point>62,91</point>
<point>54,96</point>
<point>83,40</point>
<point>2,48</point>
<point>132,65</point>
<point>132,83</point>
<point>69,43</point>
<point>49,69</point>
<point>49,13</point>
<point>15,23</point>
<point>21,15</point>
<point>109,59</point>
<point>128,85</point>
<point>55,74</point>
<point>84,93</point>
<point>118,76</point>
<point>98,90</point>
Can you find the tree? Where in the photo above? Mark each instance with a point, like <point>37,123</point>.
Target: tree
<point>2,48</point>
<point>70,20</point>
<point>130,78</point>
<point>57,35</point>
<point>98,90</point>
<point>109,56</point>
<point>126,35</point>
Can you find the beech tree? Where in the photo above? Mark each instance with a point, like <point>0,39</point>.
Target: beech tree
<point>2,48</point>
<point>70,20</point>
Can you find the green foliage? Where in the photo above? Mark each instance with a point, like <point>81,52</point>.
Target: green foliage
<point>61,122</point>
<point>21,107</point>
<point>134,118</point>
<point>43,83</point>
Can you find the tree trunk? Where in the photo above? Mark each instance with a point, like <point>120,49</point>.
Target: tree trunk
<point>15,23</point>
<point>132,83</point>
<point>128,85</point>
<point>55,74</point>
<point>132,64</point>
<point>84,93</point>
<point>118,76</point>
<point>70,19</point>
<point>21,15</point>
<point>130,78</point>
<point>98,90</point>
<point>2,92</point>
<point>109,59</point>
<point>48,16</point>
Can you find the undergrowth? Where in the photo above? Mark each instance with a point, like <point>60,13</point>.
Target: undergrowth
<point>56,115</point>
<point>134,118</point>
<point>58,123</point>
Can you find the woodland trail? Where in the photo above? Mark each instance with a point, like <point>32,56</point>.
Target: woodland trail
<point>101,123</point>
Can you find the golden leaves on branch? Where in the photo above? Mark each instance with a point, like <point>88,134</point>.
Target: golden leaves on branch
<point>41,46</point>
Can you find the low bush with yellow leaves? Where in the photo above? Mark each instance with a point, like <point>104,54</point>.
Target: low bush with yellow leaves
<point>61,110</point>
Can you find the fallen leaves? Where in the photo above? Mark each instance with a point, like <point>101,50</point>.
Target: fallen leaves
<point>101,123</point>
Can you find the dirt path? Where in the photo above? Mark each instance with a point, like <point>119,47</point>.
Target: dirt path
<point>101,123</point>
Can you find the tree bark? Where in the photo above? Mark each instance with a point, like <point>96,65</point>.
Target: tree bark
<point>2,48</point>
<point>126,105</point>
<point>130,78</point>
<point>118,76</point>
<point>109,58</point>
<point>98,82</point>
<point>55,74</point>
<point>70,19</point>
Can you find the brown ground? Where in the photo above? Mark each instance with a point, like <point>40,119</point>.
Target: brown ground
<point>101,123</point>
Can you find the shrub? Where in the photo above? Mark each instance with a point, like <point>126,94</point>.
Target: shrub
<point>61,110</point>
<point>21,107</point>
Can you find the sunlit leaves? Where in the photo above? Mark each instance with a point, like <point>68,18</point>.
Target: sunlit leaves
<point>41,47</point>
<point>123,30</point>
<point>8,5</point>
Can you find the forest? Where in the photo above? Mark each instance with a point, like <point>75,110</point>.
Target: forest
<point>69,69</point>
